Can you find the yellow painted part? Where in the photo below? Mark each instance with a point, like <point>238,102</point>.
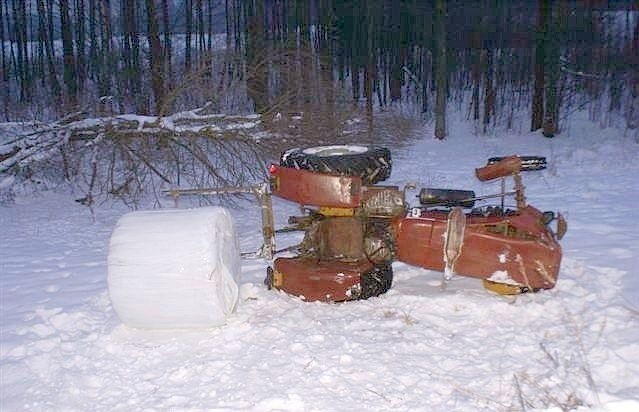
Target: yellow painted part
<point>274,182</point>
<point>278,279</point>
<point>502,288</point>
<point>336,211</point>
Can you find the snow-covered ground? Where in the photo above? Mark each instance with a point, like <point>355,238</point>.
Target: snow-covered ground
<point>414,348</point>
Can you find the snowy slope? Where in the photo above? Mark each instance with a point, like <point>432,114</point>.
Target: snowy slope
<point>415,348</point>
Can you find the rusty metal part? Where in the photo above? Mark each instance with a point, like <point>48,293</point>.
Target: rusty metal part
<point>316,189</point>
<point>518,246</point>
<point>562,226</point>
<point>505,167</point>
<point>383,201</point>
<point>519,191</point>
<point>340,237</point>
<point>262,194</point>
<point>316,280</point>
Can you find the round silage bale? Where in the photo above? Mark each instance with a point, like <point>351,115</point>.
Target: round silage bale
<point>176,268</point>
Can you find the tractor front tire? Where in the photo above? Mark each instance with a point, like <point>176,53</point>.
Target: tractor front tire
<point>376,281</point>
<point>371,163</point>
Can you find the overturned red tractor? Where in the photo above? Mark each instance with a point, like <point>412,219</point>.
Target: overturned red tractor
<point>355,228</point>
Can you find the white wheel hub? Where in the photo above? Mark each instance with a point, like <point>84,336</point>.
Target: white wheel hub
<point>335,150</point>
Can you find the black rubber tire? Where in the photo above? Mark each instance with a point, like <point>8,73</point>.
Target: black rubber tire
<point>372,163</point>
<point>376,281</point>
<point>528,163</point>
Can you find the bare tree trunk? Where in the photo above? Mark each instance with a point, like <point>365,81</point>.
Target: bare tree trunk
<point>188,9</point>
<point>80,43</point>
<point>476,78</point>
<point>104,84</point>
<point>49,53</point>
<point>396,72</point>
<point>354,80</point>
<point>132,54</point>
<point>475,54</point>
<point>20,58</point>
<point>126,40</point>
<point>12,63</point>
<point>489,91</point>
<point>69,73</point>
<point>26,68</point>
<point>326,67</point>
<point>3,53</point>
<point>50,20</point>
<point>369,70</point>
<point>227,19</point>
<point>92,64</point>
<point>234,22</point>
<point>632,119</point>
<point>167,41</point>
<point>199,14</point>
<point>5,65</point>
<point>37,42</point>
<point>538,88</point>
<point>209,46</point>
<point>440,76</point>
<point>155,57</point>
<point>257,76</point>
<point>550,125</point>
<point>426,62</point>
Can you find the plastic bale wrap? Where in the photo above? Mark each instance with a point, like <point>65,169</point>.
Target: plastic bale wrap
<point>174,268</point>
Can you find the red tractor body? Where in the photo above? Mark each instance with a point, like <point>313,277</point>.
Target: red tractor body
<point>355,229</point>
<point>517,247</point>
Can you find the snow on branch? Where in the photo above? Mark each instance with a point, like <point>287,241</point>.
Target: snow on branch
<point>125,155</point>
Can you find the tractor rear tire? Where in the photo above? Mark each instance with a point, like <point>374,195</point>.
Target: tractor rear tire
<point>371,163</point>
<point>376,281</point>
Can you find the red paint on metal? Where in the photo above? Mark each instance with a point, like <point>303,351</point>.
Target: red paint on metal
<point>505,167</point>
<point>315,280</point>
<point>317,189</point>
<point>528,252</point>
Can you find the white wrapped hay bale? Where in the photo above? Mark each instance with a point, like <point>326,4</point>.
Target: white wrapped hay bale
<point>174,268</point>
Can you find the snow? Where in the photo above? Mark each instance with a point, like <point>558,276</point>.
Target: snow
<point>501,276</point>
<point>174,268</point>
<point>418,347</point>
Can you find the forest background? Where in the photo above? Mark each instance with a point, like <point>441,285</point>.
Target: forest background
<point>524,65</point>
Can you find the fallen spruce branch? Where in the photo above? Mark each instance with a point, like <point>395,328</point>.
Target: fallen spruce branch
<point>39,139</point>
<point>127,155</point>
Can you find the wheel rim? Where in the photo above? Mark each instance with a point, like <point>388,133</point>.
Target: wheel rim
<point>335,150</point>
